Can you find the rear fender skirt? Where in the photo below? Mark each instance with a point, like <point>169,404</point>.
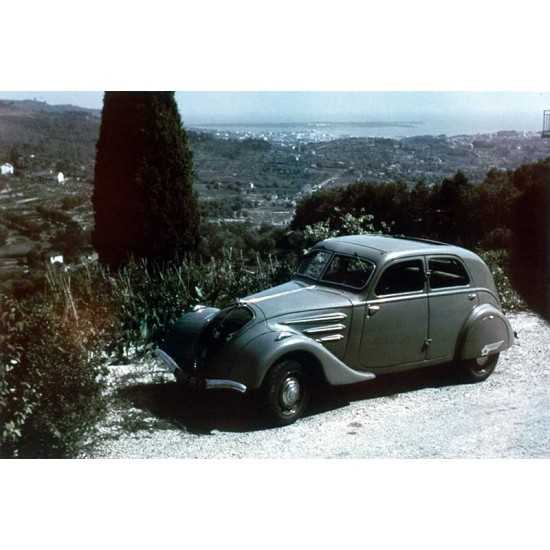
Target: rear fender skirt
<point>260,354</point>
<point>487,331</point>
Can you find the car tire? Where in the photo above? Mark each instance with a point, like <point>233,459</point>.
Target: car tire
<point>479,369</point>
<point>286,392</point>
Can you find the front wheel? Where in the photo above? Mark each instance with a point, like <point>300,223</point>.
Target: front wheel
<point>286,392</point>
<point>480,368</point>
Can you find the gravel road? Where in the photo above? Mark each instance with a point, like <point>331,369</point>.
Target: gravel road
<point>422,414</point>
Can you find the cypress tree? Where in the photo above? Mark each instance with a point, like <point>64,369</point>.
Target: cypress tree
<point>143,198</point>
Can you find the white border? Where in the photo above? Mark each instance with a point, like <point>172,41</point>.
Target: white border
<point>273,504</point>
<point>284,45</point>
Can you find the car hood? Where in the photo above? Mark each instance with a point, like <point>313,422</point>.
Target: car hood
<point>296,296</point>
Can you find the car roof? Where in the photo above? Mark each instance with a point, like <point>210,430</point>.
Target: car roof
<point>382,247</point>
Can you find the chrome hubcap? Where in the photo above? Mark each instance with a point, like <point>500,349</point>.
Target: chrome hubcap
<point>290,392</point>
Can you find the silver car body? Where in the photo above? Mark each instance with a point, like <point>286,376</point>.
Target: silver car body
<point>345,334</point>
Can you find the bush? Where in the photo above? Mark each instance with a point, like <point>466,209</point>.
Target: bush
<point>54,216</point>
<point>50,378</point>
<point>73,201</point>
<point>71,241</point>
<point>498,262</point>
<point>22,224</point>
<point>3,234</point>
<point>348,224</point>
<point>496,239</point>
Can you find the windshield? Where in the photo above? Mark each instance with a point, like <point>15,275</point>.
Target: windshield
<point>314,264</point>
<point>351,271</point>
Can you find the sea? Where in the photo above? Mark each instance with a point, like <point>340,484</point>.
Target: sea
<point>318,131</point>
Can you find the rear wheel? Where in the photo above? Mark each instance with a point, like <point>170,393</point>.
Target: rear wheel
<point>480,368</point>
<point>286,392</point>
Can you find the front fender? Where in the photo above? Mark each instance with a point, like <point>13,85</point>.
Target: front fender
<point>485,332</point>
<point>261,353</point>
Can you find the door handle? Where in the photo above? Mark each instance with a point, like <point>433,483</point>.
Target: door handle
<point>371,310</point>
<point>472,296</point>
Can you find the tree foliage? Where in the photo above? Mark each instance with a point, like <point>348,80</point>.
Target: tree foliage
<point>455,210</point>
<point>530,227</point>
<point>143,199</point>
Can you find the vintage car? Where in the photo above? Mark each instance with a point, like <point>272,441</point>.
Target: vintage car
<point>358,307</point>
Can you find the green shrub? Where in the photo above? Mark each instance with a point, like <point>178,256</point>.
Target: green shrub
<point>50,378</point>
<point>347,224</point>
<point>54,216</point>
<point>498,262</point>
<point>73,201</point>
<point>23,224</point>
<point>3,234</point>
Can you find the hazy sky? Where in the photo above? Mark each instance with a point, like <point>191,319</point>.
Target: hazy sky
<point>522,110</point>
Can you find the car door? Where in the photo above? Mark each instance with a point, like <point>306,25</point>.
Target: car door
<point>450,301</point>
<point>396,321</point>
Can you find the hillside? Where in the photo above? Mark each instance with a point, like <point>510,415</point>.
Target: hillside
<point>35,136</point>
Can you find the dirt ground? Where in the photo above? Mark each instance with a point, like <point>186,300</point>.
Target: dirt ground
<point>422,414</point>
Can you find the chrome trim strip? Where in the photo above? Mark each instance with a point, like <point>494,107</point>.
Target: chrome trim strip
<point>327,328</point>
<point>331,338</point>
<point>219,384</point>
<point>168,362</point>
<point>463,290</point>
<point>317,319</point>
<point>210,383</point>
<point>491,348</point>
<point>278,295</point>
<point>396,298</point>
<point>282,335</point>
<point>433,293</point>
<point>456,290</point>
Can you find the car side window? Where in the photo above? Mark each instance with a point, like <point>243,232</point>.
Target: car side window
<point>447,272</point>
<point>402,277</point>
<point>349,271</point>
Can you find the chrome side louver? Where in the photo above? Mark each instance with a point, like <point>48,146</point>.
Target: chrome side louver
<point>326,328</point>
<point>321,333</point>
<point>331,338</point>
<point>316,319</point>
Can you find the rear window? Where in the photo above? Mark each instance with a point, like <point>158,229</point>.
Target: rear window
<point>349,271</point>
<point>447,272</point>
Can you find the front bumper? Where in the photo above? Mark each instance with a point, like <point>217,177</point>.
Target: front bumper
<point>197,382</point>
